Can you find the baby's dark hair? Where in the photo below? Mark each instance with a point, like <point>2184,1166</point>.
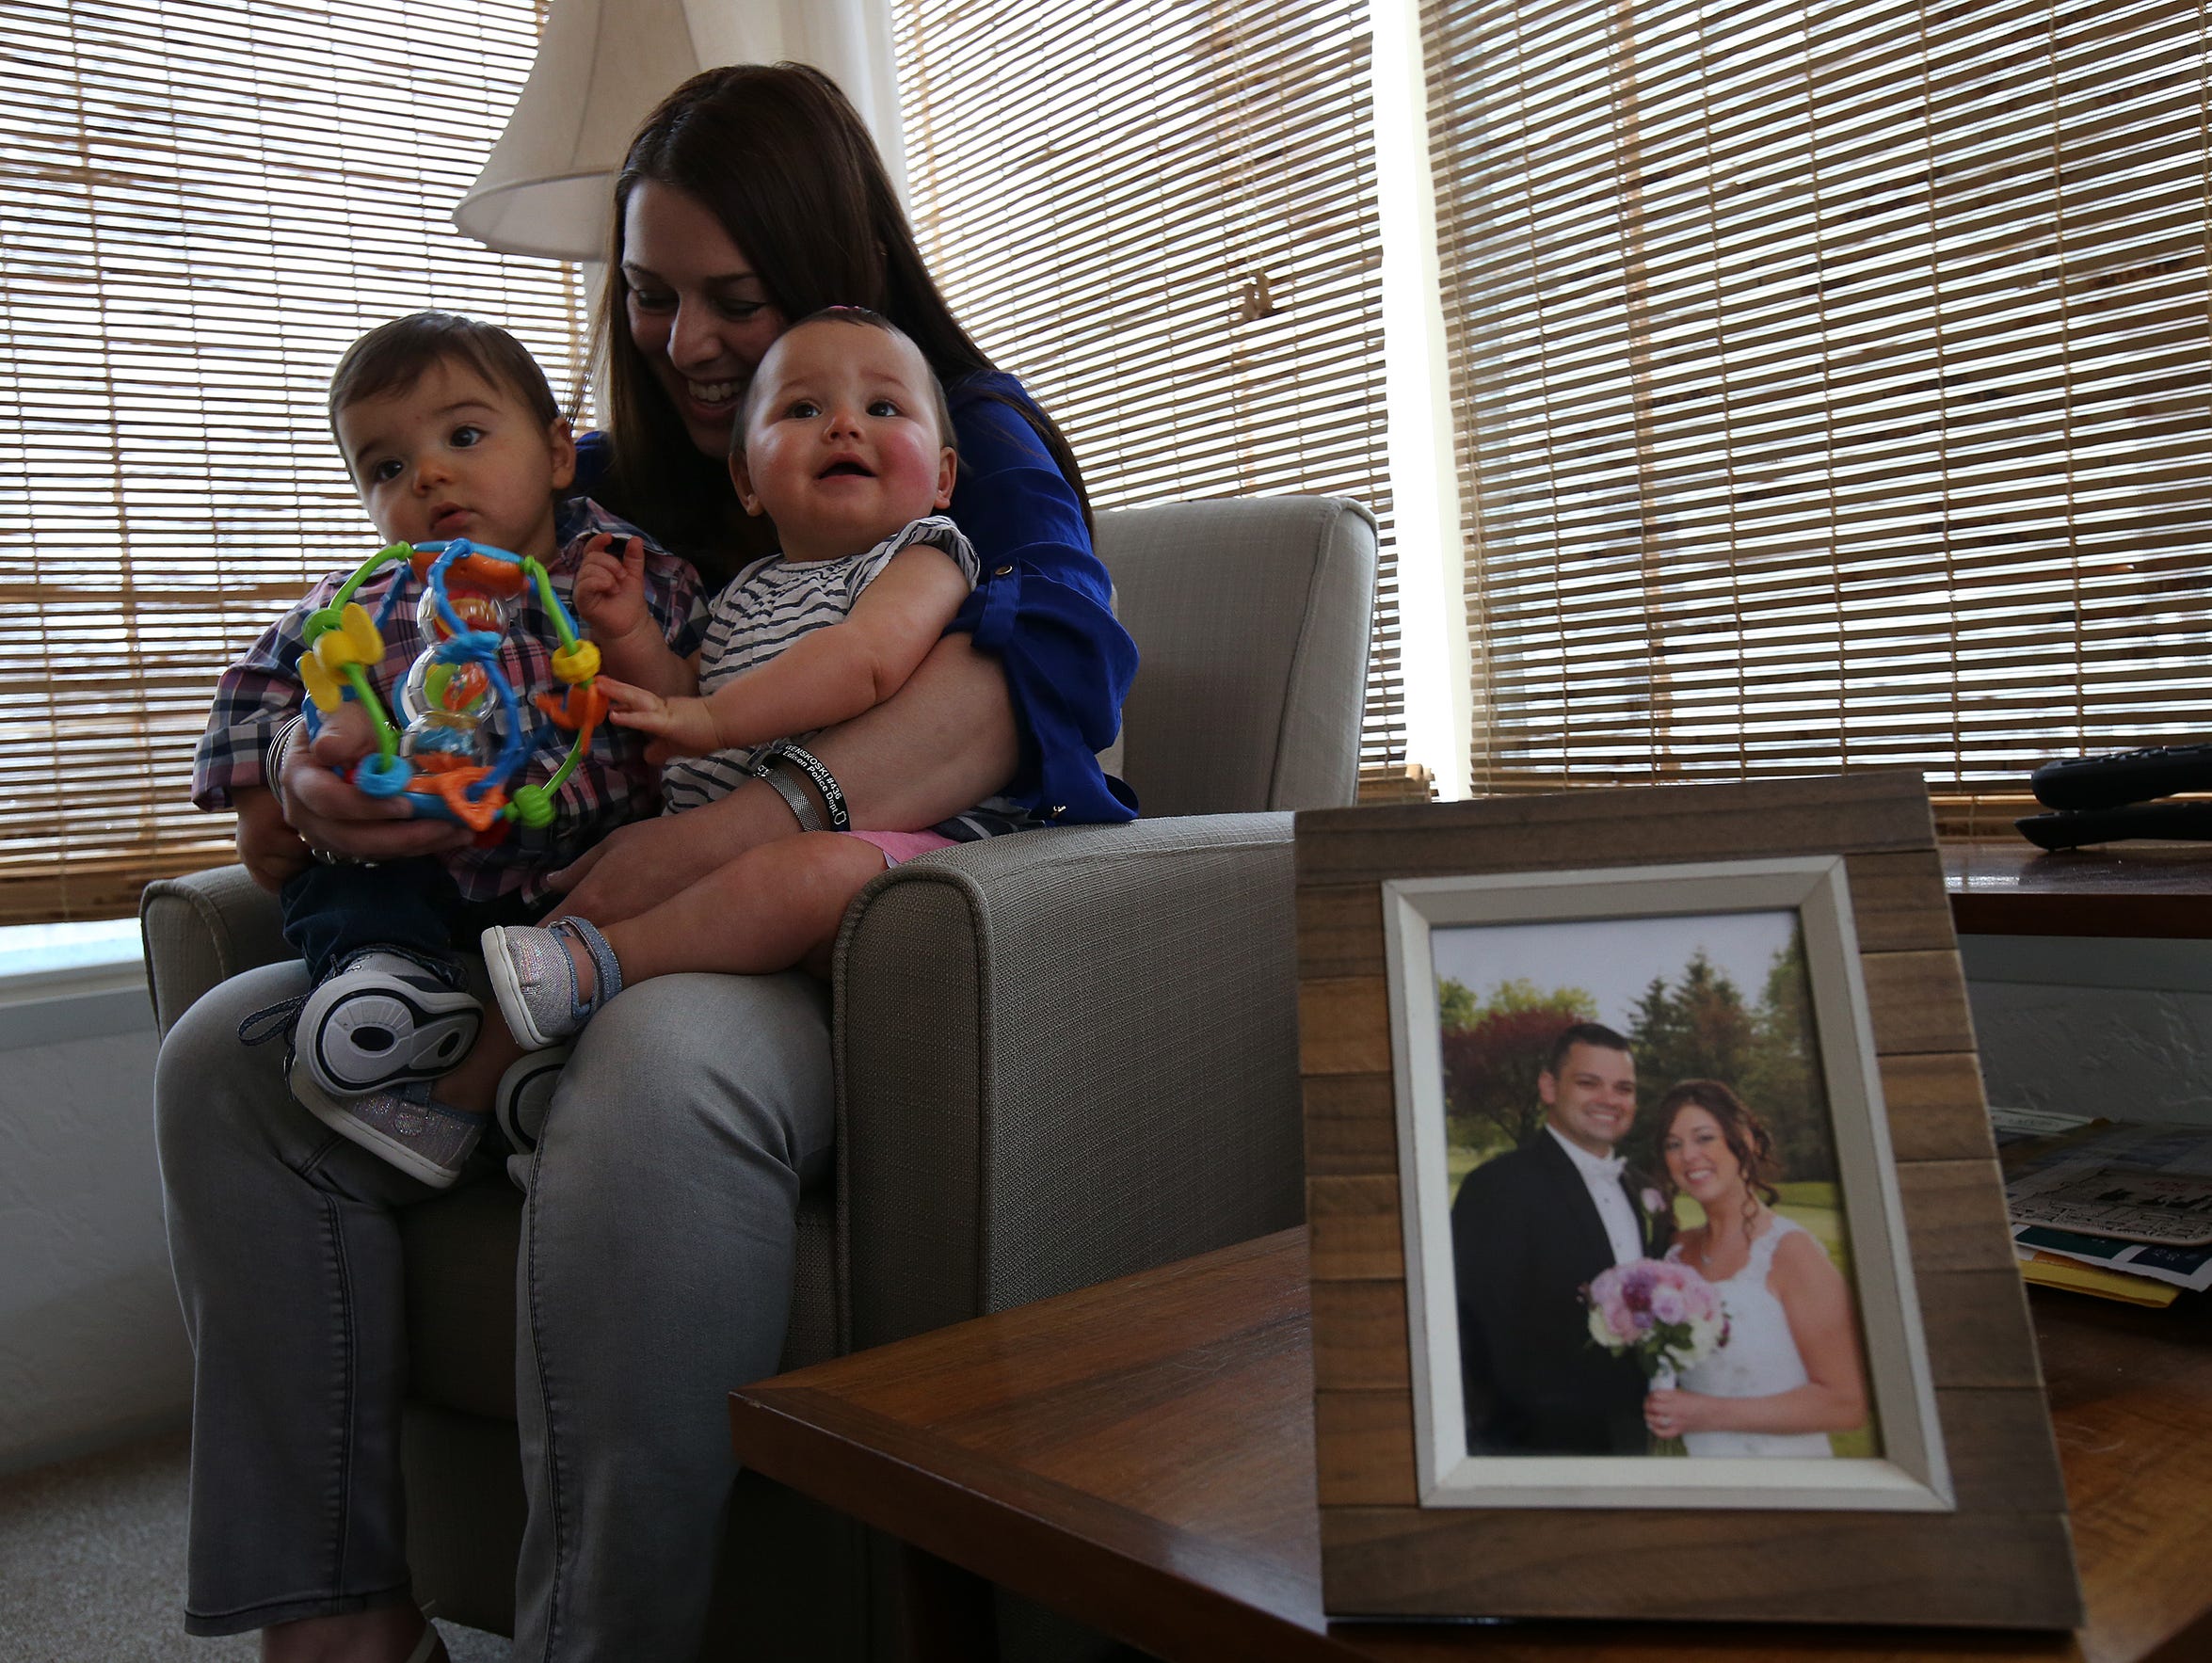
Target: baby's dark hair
<point>395,356</point>
<point>860,318</point>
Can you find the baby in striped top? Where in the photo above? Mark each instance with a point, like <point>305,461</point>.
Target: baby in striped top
<point>844,441</point>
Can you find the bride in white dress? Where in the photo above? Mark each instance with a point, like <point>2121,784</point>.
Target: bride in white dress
<point>1789,1373</point>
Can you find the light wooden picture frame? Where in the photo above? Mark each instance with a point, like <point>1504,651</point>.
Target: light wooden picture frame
<point>1957,1513</point>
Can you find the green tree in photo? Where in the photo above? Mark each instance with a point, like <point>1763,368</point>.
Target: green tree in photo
<point>1455,1004</point>
<point>1781,1080</point>
<point>1695,1029</point>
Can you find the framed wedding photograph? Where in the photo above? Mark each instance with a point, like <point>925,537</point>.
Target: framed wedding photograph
<point>1654,1210</point>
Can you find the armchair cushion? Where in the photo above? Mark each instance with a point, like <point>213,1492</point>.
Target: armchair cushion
<point>1063,1057</point>
<point>202,929</point>
<point>1252,616</point>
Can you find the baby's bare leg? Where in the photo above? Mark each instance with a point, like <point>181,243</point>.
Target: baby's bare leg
<point>773,907</point>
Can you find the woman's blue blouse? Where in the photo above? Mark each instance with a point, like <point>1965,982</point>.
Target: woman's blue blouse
<point>1044,607</point>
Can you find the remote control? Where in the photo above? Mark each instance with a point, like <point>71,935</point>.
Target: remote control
<point>2184,822</point>
<point>2126,777</point>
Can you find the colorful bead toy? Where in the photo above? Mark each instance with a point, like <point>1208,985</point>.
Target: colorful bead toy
<point>443,762</point>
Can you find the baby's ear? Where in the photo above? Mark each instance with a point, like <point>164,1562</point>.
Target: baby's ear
<point>742,480</point>
<point>948,474</point>
<point>561,440</point>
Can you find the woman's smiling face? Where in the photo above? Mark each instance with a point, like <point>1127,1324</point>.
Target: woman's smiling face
<point>698,311</point>
<point>1698,1157</point>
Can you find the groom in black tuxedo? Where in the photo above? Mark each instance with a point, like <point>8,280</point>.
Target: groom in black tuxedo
<point>1529,1231</point>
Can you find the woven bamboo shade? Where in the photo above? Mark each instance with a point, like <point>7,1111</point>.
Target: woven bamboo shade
<point>204,201</point>
<point>1834,384</point>
<point>1163,219</point>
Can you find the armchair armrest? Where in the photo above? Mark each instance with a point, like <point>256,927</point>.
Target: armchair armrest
<point>202,929</point>
<point>1062,1057</point>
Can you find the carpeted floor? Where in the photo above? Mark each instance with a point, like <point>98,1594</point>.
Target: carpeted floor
<point>92,1566</point>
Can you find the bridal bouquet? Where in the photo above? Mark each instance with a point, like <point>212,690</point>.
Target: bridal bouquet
<point>1664,1315</point>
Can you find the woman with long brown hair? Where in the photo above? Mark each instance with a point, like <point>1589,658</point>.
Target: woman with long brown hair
<point>719,244</point>
<point>1789,1372</point>
<point>664,1167</point>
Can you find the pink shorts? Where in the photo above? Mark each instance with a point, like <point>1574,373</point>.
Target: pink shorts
<point>898,846</point>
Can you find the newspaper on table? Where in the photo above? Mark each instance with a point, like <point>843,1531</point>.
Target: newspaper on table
<point>2128,1196</point>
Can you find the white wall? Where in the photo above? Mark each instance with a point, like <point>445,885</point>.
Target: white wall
<point>91,1344</point>
<point>2114,1026</point>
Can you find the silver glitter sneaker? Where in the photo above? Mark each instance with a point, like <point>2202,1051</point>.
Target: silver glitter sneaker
<point>381,1020</point>
<point>536,979</point>
<point>405,1125</point>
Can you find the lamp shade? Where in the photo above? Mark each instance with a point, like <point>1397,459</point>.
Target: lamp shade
<point>602,67</point>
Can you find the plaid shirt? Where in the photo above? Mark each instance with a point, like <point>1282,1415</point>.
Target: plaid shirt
<point>612,785</point>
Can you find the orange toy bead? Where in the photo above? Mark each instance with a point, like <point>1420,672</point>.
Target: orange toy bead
<point>583,707</point>
<point>449,778</point>
<point>479,571</point>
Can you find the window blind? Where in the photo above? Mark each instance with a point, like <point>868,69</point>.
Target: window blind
<point>205,202</point>
<point>1162,218</point>
<point>1833,384</point>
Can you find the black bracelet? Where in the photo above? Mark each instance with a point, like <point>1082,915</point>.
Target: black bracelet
<point>833,800</point>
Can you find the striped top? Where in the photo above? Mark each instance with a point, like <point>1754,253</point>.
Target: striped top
<point>774,602</point>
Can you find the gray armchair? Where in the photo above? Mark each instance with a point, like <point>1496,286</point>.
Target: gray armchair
<point>1061,1057</point>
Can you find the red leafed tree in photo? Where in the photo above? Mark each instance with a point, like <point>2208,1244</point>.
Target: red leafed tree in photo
<point>1494,1051</point>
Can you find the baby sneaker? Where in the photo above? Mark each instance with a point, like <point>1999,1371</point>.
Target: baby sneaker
<point>404,1124</point>
<point>382,1019</point>
<point>534,972</point>
<point>518,1106</point>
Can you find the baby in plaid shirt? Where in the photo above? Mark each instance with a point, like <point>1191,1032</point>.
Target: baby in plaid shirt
<point>449,430</point>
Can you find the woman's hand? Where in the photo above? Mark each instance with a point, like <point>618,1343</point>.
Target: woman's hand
<point>637,867</point>
<point>270,850</point>
<point>1670,1412</point>
<point>328,813</point>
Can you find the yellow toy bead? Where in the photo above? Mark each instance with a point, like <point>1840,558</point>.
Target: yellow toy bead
<point>326,689</point>
<point>577,663</point>
<point>361,630</point>
<point>355,641</point>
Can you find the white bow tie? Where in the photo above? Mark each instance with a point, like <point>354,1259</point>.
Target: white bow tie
<point>1610,1167</point>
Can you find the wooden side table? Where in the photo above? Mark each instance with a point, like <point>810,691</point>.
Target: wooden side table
<point>1139,1455</point>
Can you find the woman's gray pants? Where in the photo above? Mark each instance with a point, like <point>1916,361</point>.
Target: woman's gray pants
<point>655,1275</point>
